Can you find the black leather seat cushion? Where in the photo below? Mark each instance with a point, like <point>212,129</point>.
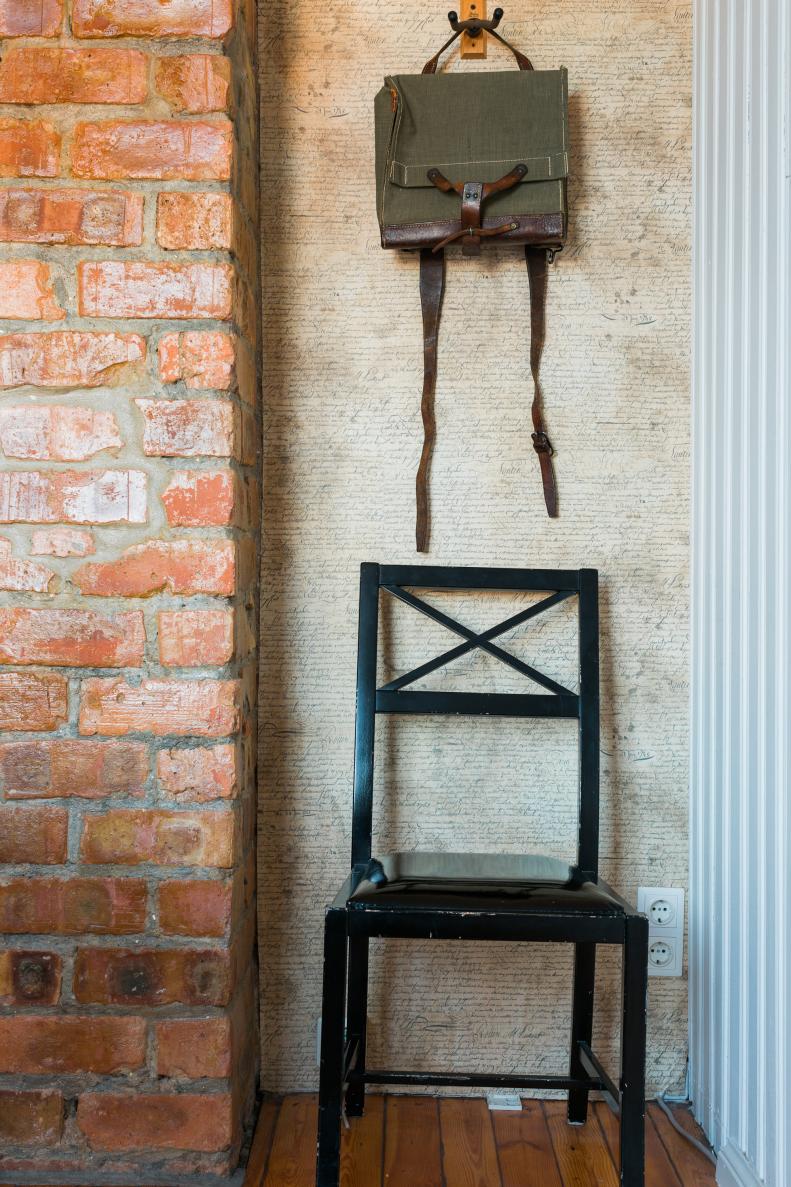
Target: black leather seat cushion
<point>470,881</point>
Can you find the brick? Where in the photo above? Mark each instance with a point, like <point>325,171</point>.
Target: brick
<point>112,288</point>
<point>194,1047</point>
<point>165,150</point>
<point>26,291</point>
<point>31,1118</point>
<point>195,908</point>
<point>47,1045</point>
<point>73,906</point>
<point>71,217</point>
<point>187,428</point>
<point>197,83</point>
<point>158,977</point>
<point>28,148</point>
<point>200,498</point>
<point>56,432</point>
<point>74,638</point>
<point>29,978</point>
<point>179,1121</point>
<point>40,74</point>
<point>30,702</point>
<point>72,767</point>
<point>20,576</point>
<point>67,358</point>
<point>194,222</point>
<point>141,18</point>
<point>61,542</point>
<point>33,835</point>
<point>129,837</point>
<point>177,566</point>
<point>73,496</point>
<point>198,773</point>
<point>30,18</point>
<point>201,708</point>
<point>170,369</point>
<point>203,359</point>
<point>190,638</point>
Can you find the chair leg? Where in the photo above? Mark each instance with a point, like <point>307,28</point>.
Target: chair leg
<point>633,1037</point>
<point>357,1016</point>
<point>333,1011</point>
<point>581,1026</point>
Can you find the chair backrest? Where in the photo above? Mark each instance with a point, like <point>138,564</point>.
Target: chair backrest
<point>557,701</point>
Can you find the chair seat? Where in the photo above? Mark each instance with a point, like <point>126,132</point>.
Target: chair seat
<point>470,881</point>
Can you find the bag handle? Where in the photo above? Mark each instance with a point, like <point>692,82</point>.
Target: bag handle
<point>475,26</point>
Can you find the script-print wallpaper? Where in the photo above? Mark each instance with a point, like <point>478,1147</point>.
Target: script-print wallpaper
<point>343,373</point>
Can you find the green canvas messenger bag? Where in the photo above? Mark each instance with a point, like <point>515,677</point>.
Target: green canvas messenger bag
<point>471,159</point>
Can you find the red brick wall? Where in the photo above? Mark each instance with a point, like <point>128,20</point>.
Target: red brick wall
<point>128,517</point>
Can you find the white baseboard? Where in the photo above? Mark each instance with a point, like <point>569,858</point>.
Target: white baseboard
<point>733,1169</point>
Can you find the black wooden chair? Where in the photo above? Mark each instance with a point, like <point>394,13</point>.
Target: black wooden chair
<point>476,896</point>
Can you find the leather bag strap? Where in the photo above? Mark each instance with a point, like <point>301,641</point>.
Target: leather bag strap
<point>537,267</point>
<point>523,61</point>
<point>473,195</point>
<point>432,287</point>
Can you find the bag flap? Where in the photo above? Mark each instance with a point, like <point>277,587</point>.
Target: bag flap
<point>477,127</point>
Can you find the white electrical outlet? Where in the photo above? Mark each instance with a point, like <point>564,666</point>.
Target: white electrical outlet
<point>664,907</point>
<point>661,912</point>
<point>664,956</point>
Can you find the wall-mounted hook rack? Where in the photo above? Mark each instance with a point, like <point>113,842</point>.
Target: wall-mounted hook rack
<point>473,41</point>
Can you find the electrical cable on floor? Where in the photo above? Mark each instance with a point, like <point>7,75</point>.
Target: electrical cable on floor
<point>660,1100</point>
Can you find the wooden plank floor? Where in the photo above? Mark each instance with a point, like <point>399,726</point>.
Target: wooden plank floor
<point>422,1141</point>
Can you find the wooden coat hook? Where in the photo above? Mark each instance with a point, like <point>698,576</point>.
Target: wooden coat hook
<point>473,44</point>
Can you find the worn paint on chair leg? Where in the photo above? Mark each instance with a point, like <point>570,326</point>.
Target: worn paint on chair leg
<point>635,991</point>
<point>332,1044</point>
<point>581,1025</point>
<point>357,1019</point>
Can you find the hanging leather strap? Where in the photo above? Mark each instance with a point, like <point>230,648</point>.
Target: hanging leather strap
<point>432,286</point>
<point>537,264</point>
<point>460,27</point>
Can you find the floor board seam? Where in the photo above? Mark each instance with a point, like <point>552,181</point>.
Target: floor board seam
<point>669,1153</point>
